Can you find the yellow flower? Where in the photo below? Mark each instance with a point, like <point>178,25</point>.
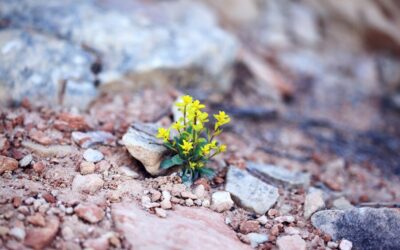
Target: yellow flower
<point>192,165</point>
<point>222,148</point>
<point>208,147</point>
<point>163,134</point>
<point>186,146</point>
<point>197,127</point>
<point>202,116</point>
<point>222,119</point>
<point>196,106</point>
<point>177,125</point>
<point>185,101</point>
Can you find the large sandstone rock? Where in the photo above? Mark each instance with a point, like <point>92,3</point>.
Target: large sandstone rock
<point>143,146</point>
<point>366,228</point>
<point>37,67</point>
<point>189,228</point>
<point>148,43</point>
<point>249,191</point>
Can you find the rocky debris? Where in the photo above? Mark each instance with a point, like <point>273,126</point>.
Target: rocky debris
<point>249,191</point>
<point>334,168</point>
<point>279,175</point>
<point>285,219</point>
<point>366,228</point>
<point>87,168</point>
<point>345,245</point>
<point>55,67</point>
<point>129,172</point>
<point>143,146</point>
<point>36,220</point>
<point>249,226</point>
<point>256,239</point>
<point>88,139</point>
<point>166,200</point>
<point>18,233</point>
<point>93,155</point>
<point>39,238</point>
<point>221,201</point>
<point>88,184</point>
<point>89,212</point>
<point>291,242</point>
<point>314,201</point>
<point>70,122</point>
<point>39,167</point>
<point>25,161</point>
<point>152,57</point>
<point>7,164</point>
<point>160,212</point>
<point>342,204</point>
<point>40,137</point>
<point>140,230</point>
<point>50,151</point>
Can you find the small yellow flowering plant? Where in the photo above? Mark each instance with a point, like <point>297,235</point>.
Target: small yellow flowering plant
<point>193,144</point>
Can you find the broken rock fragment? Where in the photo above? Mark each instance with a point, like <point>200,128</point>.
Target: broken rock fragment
<point>143,146</point>
<point>249,191</point>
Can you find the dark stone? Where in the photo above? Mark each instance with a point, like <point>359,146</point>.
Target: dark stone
<point>367,228</point>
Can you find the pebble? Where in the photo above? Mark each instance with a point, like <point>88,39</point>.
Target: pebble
<point>38,167</point>
<point>7,164</point>
<point>291,242</point>
<point>189,202</point>
<point>93,155</point>
<point>3,231</point>
<point>24,162</point>
<point>23,210</point>
<point>87,167</point>
<point>199,191</point>
<point>166,201</point>
<point>155,195</point>
<point>314,201</point>
<point>206,203</point>
<point>345,245</point>
<point>257,239</point>
<point>127,171</point>
<point>90,212</point>
<point>342,204</point>
<point>287,219</point>
<point>332,244</point>
<point>29,200</point>
<point>36,220</point>
<point>67,233</point>
<point>161,212</point>
<point>262,219</point>
<point>221,201</point>
<point>249,226</point>
<point>88,184</point>
<point>69,210</point>
<point>18,233</point>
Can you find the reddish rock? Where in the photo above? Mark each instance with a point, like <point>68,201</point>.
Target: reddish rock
<point>90,212</point>
<point>249,226</point>
<point>4,144</point>
<point>70,122</point>
<point>7,164</point>
<point>36,220</point>
<point>40,137</point>
<point>38,167</point>
<point>178,229</point>
<point>39,238</point>
<point>17,201</point>
<point>49,198</point>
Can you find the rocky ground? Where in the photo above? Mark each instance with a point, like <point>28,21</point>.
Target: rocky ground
<point>312,160</point>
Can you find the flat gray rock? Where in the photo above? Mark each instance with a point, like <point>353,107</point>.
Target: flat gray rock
<point>149,43</point>
<point>279,175</point>
<point>366,228</point>
<point>35,66</point>
<point>250,192</point>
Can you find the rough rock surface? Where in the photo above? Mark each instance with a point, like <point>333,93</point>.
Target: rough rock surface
<point>249,191</point>
<point>366,228</point>
<point>39,238</point>
<point>143,146</point>
<point>150,232</point>
<point>279,175</point>
<point>165,40</point>
<point>37,66</point>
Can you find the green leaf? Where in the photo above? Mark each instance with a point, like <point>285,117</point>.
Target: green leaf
<point>170,162</point>
<point>207,172</point>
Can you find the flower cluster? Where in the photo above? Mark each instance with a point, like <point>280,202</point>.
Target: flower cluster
<point>193,143</point>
